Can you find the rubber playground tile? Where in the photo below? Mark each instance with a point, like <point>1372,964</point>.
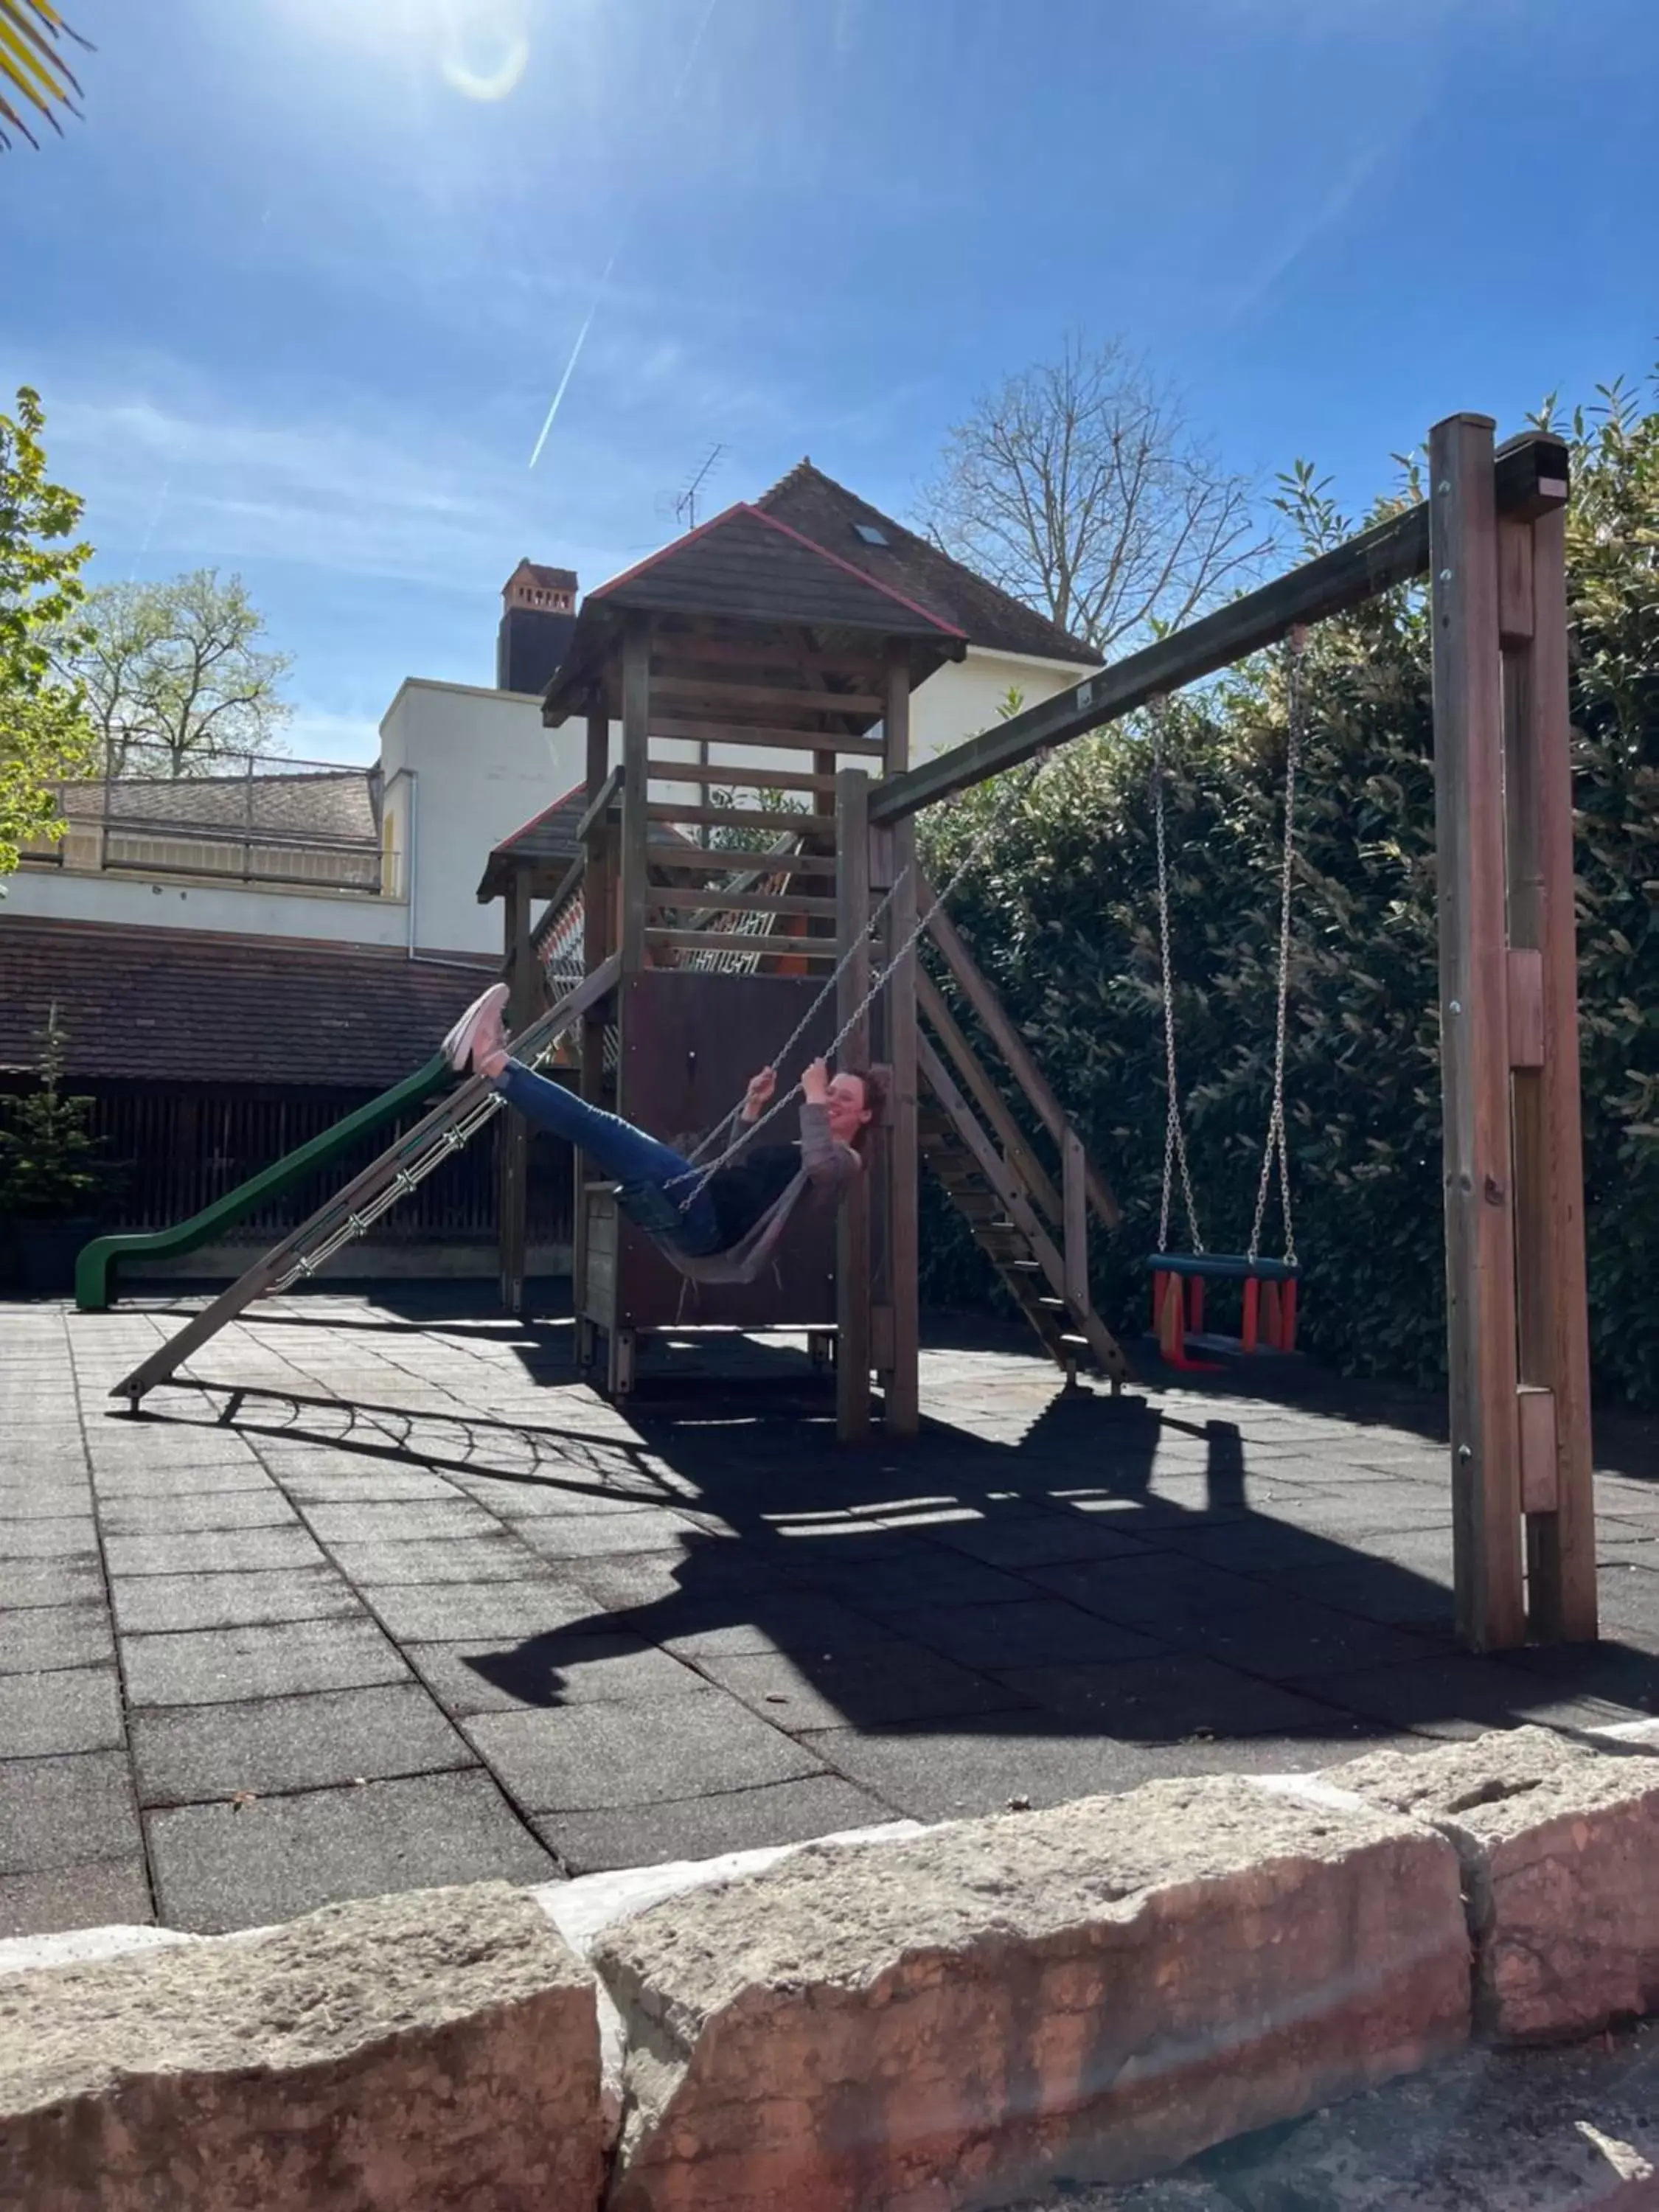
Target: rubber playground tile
<point>793,1622</point>
<point>161,1482</point>
<point>705,1827</point>
<point>606,1536</point>
<point>221,1666</point>
<point>1375,1590</point>
<point>1163,1699</point>
<point>1032,1632</point>
<point>35,1638</point>
<point>62,1536</point>
<point>28,1582</point>
<point>492,1557</point>
<point>476,1675</point>
<point>903,1580</point>
<point>1036,1539</point>
<point>590,1758</point>
<point>403,1521</point>
<point>968,1769</point>
<point>220,1867</point>
<point>150,1603</point>
<point>211,1550</point>
<point>871,1687</point>
<point>102,1894</point>
<point>44,1501</point>
<point>1462,1694</point>
<point>441,1613</point>
<point>711,1571</point>
<point>195,1512</point>
<point>359,1482</point>
<point>71,1709</point>
<point>60,1812</point>
<point>1296,1637</point>
<point>194,1754</point>
<point>1159,1592</point>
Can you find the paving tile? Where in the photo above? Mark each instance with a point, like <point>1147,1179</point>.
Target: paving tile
<point>704,1828</point>
<point>1462,1694</point>
<point>147,1603</point>
<point>358,1481</point>
<point>477,1676</point>
<point>1259,1544</point>
<point>1291,1636</point>
<point>219,1867</point>
<point>102,1894</point>
<point>179,1481</point>
<point>62,1536</point>
<point>604,1535</point>
<point>116,1441</point>
<point>193,1753</point>
<point>1038,1540</point>
<point>40,1501</point>
<point>397,1520</point>
<point>932,1575</point>
<point>495,1557</point>
<point>584,1757</point>
<point>71,1709</point>
<point>1163,1699</point>
<point>61,1812</point>
<point>1033,1631</point>
<point>218,1666</point>
<point>947,1774</point>
<point>211,1550</point>
<point>800,1621</point>
<point>26,1583</point>
<point>704,1573</point>
<point>874,1686</point>
<point>37,1638</point>
<point>1159,1592</point>
<point>441,1613</point>
<point>1375,1590</point>
<point>148,1514</point>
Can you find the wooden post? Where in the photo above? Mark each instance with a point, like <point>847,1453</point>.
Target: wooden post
<point>853,1227</point>
<point>596,947</point>
<point>636,721</point>
<point>1075,1205</point>
<point>513,1134</point>
<point>1474,1055</point>
<point>1552,1295</point>
<point>903,1415</point>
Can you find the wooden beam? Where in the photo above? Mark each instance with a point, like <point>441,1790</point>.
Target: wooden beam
<point>901,1414</point>
<point>1474,1055</point>
<point>1529,477</point>
<point>1075,1246</point>
<point>853,1352</point>
<point>1016,1053</point>
<point>729,940</point>
<point>739,777</point>
<point>524,1003</point>
<point>669,856</point>
<point>937,1014</point>
<point>691,730</point>
<point>763,696</point>
<point>597,901</point>
<point>635,717</point>
<point>742,817</point>
<point>723,901</point>
<point>1555,1333</point>
<point>599,805</point>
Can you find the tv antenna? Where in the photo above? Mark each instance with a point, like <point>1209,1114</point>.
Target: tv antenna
<point>685,507</point>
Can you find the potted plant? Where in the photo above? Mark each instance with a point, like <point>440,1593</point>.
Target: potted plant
<point>49,1172</point>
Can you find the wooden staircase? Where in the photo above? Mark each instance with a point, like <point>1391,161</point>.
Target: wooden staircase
<point>1034,1232</point>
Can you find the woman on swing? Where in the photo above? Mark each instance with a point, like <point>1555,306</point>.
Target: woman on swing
<point>738,1209</point>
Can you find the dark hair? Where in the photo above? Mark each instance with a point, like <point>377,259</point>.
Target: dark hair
<point>877,1097</point>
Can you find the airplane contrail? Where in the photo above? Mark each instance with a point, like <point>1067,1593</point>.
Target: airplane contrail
<point>581,335</point>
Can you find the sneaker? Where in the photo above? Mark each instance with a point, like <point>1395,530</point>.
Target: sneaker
<point>480,1024</point>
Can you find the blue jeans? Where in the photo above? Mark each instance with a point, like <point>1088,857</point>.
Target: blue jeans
<point>659,1189</point>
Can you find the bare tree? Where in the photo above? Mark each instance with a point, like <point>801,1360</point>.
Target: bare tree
<point>1080,488</point>
<point>173,674</point>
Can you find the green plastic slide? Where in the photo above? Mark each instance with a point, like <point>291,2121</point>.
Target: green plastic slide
<point>96,1263</point>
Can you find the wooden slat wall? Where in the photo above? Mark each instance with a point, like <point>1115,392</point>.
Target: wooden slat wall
<point>175,1150</point>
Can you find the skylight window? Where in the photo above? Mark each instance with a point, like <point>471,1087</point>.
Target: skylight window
<point>870,534</point>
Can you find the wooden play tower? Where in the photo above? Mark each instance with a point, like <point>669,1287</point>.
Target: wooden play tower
<point>762,688</point>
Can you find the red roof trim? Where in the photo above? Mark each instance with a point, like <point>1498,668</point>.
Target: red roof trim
<point>662,552</point>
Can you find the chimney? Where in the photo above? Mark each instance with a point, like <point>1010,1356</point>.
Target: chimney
<point>538,613</point>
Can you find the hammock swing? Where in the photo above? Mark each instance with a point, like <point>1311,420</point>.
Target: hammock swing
<point>1269,1296</point>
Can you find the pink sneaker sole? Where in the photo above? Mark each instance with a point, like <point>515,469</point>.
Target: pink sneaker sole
<point>481,1016</point>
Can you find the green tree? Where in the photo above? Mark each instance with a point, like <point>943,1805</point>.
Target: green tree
<point>43,733</point>
<point>32,35</point>
<point>49,1161</point>
<point>175,676</point>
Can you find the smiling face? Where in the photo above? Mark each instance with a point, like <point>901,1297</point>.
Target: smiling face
<point>848,1108</point>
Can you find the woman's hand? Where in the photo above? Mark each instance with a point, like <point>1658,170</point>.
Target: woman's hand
<point>815,1083</point>
<point>759,1096</point>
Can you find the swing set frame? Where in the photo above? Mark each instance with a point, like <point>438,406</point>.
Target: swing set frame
<point>1491,537</point>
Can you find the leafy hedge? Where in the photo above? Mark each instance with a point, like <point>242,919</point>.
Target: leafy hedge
<point>1060,914</point>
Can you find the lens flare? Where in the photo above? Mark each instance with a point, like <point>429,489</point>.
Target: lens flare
<point>485,47</point>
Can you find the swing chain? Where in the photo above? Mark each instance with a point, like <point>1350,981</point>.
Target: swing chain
<point>1174,1137</point>
<point>1274,1149</point>
<point>883,975</point>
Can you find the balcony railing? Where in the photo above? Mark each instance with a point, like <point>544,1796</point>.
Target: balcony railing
<point>268,822</point>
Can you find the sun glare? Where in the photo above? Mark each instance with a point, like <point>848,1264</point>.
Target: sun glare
<point>480,48</point>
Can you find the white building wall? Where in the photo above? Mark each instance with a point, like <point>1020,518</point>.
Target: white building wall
<point>167,903</point>
<point>464,767</point>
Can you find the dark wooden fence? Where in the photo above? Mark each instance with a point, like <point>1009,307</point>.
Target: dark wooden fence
<point>168,1152</point>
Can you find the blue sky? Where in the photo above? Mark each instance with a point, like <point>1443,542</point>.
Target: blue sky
<point>298,293</point>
